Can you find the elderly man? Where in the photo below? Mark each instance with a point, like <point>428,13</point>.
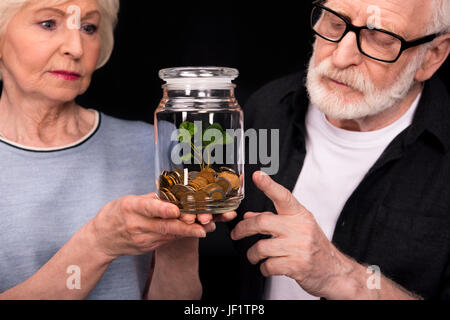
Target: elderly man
<point>362,208</point>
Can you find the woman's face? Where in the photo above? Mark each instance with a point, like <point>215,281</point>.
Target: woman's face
<point>51,51</point>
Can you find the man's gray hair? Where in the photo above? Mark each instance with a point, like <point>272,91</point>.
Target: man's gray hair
<point>440,18</point>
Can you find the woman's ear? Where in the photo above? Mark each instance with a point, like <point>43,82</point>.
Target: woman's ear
<point>436,55</point>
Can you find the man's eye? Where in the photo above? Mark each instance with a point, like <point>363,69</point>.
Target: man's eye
<point>90,28</point>
<point>48,25</point>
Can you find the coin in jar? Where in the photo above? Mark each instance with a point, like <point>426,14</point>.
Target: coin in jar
<point>214,191</point>
<point>232,178</point>
<point>209,176</point>
<point>166,195</point>
<point>201,196</point>
<point>226,169</point>
<point>179,189</point>
<point>200,181</point>
<point>211,170</point>
<point>224,184</point>
<point>187,200</point>
<point>164,182</point>
<point>178,174</point>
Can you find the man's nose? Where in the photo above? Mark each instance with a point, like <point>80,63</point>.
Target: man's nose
<point>347,53</point>
<point>73,44</point>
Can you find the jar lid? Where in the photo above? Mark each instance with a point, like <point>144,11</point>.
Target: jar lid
<point>192,75</point>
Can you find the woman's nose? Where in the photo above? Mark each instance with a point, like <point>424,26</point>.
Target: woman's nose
<point>72,44</point>
<point>347,53</point>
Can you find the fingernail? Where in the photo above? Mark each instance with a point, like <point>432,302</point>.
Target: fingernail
<point>172,211</point>
<point>202,234</point>
<point>262,176</point>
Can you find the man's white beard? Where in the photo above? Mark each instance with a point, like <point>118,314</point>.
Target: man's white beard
<point>374,101</point>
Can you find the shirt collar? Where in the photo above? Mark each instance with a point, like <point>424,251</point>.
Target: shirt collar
<point>432,115</point>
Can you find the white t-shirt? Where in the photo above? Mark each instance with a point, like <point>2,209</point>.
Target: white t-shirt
<point>336,162</point>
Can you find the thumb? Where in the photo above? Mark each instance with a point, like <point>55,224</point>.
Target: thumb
<point>285,203</point>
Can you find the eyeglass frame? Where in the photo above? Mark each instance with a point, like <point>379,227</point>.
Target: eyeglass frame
<point>405,45</point>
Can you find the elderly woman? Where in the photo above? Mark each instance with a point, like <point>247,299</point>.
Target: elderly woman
<point>76,216</point>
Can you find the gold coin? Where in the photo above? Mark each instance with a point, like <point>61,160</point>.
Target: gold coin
<point>209,176</point>
<point>214,191</point>
<point>232,178</point>
<point>172,180</point>
<point>217,195</point>
<point>209,169</point>
<point>202,182</point>
<point>188,199</point>
<point>194,185</point>
<point>226,169</point>
<point>224,184</point>
<point>201,196</point>
<point>179,189</point>
<point>165,194</point>
<point>178,175</point>
<point>164,182</point>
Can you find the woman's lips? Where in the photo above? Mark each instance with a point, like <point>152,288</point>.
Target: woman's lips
<point>66,75</point>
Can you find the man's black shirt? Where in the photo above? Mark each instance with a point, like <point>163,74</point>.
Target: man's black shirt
<point>398,218</point>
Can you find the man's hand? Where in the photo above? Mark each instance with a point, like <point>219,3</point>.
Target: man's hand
<point>300,250</point>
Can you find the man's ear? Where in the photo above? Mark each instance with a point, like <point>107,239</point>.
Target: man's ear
<point>436,55</point>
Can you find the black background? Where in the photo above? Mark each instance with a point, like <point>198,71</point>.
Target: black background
<point>264,40</point>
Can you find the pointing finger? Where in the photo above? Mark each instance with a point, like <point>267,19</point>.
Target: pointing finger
<point>282,198</point>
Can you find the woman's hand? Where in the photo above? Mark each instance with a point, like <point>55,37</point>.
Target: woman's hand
<point>134,225</point>
<point>208,220</point>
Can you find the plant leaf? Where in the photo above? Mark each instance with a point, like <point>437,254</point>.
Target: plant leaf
<point>190,127</point>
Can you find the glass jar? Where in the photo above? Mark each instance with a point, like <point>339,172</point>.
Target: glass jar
<point>199,133</point>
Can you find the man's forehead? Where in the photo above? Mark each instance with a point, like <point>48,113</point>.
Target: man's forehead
<point>394,15</point>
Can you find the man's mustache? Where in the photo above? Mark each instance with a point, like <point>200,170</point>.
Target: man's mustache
<point>350,77</point>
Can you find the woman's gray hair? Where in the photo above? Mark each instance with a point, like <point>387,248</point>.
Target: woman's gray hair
<point>109,10</point>
<point>440,17</point>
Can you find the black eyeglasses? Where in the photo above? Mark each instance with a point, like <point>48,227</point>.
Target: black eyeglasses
<point>374,43</point>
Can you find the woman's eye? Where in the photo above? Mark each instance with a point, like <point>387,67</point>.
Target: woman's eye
<point>90,28</point>
<point>48,25</point>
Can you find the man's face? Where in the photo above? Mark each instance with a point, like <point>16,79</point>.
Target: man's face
<point>345,84</point>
